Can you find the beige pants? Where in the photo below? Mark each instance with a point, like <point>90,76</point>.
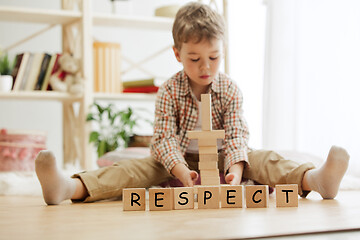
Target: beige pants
<point>265,167</point>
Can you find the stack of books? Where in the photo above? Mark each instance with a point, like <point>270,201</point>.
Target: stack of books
<point>140,86</point>
<point>32,71</point>
<point>107,66</point>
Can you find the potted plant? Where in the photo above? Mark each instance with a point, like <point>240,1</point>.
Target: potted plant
<point>6,80</point>
<point>114,128</point>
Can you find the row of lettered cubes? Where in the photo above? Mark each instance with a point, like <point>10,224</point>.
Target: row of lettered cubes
<point>209,197</point>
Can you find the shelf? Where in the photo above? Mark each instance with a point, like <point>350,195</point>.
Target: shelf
<point>30,15</point>
<point>153,23</point>
<point>39,95</point>
<point>125,96</point>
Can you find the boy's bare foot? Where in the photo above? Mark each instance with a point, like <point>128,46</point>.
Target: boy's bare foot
<point>56,188</point>
<point>326,180</point>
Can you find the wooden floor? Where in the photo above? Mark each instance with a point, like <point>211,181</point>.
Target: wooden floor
<point>30,218</point>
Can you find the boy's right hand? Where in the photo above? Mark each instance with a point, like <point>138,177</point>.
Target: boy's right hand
<point>185,175</point>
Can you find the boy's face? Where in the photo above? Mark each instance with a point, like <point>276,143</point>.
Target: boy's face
<point>201,60</point>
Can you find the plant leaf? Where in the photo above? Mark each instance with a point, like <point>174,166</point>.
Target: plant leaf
<point>90,117</point>
<point>101,148</point>
<point>99,108</point>
<point>94,136</point>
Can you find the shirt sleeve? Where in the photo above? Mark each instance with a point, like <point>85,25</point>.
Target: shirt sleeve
<point>236,129</point>
<point>165,147</point>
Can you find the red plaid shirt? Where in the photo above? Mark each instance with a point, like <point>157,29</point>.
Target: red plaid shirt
<point>176,112</point>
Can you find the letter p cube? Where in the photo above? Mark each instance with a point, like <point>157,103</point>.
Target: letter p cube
<point>208,197</point>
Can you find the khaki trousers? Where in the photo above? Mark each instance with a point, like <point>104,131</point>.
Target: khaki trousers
<point>265,167</point>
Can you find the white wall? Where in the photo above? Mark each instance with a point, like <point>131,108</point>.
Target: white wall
<point>246,52</point>
<point>313,76</point>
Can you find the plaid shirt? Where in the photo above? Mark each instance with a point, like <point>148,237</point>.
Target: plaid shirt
<point>176,112</point>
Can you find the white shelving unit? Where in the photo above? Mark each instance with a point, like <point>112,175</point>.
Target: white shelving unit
<point>125,96</point>
<point>40,95</point>
<point>75,128</point>
<point>155,23</point>
<point>33,15</point>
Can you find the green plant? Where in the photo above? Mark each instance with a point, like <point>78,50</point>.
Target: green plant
<point>5,65</point>
<point>114,127</point>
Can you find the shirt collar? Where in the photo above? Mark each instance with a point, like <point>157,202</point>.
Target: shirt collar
<point>215,86</point>
<point>184,86</point>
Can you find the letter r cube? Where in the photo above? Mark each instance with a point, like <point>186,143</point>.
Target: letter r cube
<point>134,199</point>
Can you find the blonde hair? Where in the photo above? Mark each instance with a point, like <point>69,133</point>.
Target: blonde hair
<point>195,22</point>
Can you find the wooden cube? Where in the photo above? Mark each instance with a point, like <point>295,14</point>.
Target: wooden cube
<point>208,165</point>
<point>208,150</point>
<point>232,196</point>
<point>257,196</point>
<point>287,195</point>
<point>134,199</point>
<point>210,181</point>
<point>206,112</point>
<point>208,157</point>
<point>208,197</point>
<point>219,134</point>
<point>160,199</point>
<point>207,142</point>
<point>183,198</point>
<point>209,173</point>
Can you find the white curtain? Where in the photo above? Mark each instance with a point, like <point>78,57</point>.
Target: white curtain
<point>312,77</point>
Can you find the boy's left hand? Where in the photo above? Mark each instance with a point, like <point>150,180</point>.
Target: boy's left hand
<point>232,179</point>
<point>235,174</point>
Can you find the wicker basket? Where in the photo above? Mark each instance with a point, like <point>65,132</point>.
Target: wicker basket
<point>18,149</point>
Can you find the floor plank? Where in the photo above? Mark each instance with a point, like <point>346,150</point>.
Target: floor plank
<point>30,218</point>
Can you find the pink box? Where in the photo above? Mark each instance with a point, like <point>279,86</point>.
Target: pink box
<point>18,149</point>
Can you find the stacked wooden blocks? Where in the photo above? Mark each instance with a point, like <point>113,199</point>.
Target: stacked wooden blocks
<point>207,142</point>
<point>209,197</point>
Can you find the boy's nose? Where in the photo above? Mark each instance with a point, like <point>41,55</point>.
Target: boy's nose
<point>204,65</point>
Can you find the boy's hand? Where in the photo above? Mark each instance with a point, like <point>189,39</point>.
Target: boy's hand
<point>235,174</point>
<point>185,175</point>
<point>232,179</point>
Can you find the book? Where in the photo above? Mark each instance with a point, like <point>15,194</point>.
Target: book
<point>26,72</point>
<point>51,69</point>
<point>18,73</point>
<point>139,83</point>
<point>146,89</point>
<point>107,63</point>
<point>34,72</point>
<point>43,68</point>
<point>15,70</point>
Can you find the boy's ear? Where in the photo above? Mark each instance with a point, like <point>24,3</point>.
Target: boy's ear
<point>177,54</point>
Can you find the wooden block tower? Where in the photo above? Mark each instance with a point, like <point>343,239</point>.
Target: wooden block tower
<point>207,141</point>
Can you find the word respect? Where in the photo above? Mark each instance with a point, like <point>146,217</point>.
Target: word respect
<point>209,197</point>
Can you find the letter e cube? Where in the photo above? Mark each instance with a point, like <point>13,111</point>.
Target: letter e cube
<point>232,196</point>
<point>160,199</point>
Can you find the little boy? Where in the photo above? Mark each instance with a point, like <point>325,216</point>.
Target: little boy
<point>199,39</point>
